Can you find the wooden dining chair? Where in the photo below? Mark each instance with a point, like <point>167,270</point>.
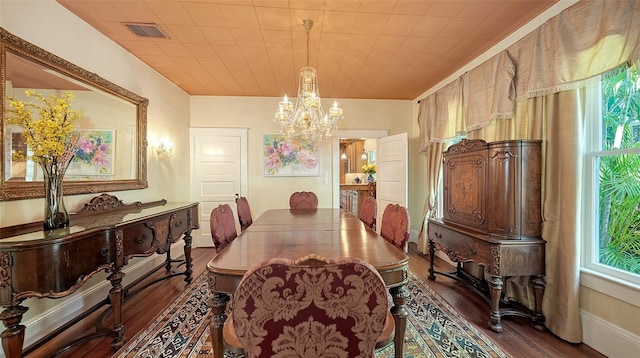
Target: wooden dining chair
<point>303,200</point>
<point>223,226</point>
<point>309,306</point>
<point>395,226</point>
<point>244,213</point>
<point>369,211</point>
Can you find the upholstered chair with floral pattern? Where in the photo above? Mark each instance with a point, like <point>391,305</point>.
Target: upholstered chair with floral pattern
<point>311,307</point>
<point>244,213</point>
<point>368,212</point>
<point>223,226</point>
<point>303,200</point>
<point>395,226</point>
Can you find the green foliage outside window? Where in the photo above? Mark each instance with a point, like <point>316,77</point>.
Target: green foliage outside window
<point>619,171</point>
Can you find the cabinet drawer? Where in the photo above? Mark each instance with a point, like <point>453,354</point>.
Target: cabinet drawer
<point>178,225</point>
<point>138,239</point>
<point>459,246</point>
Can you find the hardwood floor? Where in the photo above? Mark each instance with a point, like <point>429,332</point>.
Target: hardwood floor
<point>519,338</point>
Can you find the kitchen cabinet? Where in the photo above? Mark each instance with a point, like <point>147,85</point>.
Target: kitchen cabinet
<point>353,152</point>
<point>352,196</point>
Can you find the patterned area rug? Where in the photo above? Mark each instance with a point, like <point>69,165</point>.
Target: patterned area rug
<point>434,329</point>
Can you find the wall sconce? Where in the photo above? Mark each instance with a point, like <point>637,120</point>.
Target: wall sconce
<point>363,156</point>
<point>343,156</point>
<point>164,150</point>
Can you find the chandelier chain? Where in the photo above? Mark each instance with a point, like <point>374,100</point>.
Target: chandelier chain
<point>308,24</point>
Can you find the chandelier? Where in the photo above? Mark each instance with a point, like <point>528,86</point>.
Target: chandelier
<point>307,118</point>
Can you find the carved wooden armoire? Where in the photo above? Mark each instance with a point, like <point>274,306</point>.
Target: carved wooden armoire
<point>492,217</point>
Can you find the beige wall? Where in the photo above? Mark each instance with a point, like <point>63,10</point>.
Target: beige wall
<point>256,114</point>
<point>48,25</point>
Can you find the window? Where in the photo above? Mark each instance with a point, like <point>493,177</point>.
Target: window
<point>612,172</point>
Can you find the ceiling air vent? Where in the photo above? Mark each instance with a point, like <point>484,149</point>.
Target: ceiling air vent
<point>146,30</point>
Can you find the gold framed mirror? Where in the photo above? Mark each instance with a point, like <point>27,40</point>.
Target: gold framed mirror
<point>109,113</point>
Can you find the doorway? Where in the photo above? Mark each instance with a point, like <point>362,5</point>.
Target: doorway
<point>392,156</point>
<point>218,173</point>
<point>348,134</point>
<point>354,154</point>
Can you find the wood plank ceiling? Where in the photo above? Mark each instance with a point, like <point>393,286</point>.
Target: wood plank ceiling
<point>362,49</point>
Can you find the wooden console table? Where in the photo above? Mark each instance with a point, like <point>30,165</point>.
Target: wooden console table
<point>103,236</point>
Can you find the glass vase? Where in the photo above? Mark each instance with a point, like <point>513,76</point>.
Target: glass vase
<point>55,214</point>
<point>370,178</point>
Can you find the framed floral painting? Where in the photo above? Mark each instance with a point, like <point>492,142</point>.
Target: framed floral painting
<point>93,157</point>
<point>289,157</point>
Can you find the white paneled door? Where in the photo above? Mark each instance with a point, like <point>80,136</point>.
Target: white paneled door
<point>218,173</point>
<point>391,178</point>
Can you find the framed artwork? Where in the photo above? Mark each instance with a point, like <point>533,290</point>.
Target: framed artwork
<point>289,157</point>
<point>94,154</point>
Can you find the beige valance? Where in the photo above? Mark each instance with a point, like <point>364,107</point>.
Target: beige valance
<point>469,102</point>
<point>566,52</point>
<point>585,40</point>
<point>440,116</point>
<point>426,113</point>
<point>489,92</point>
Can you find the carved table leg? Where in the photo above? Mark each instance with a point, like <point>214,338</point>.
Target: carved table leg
<point>495,291</point>
<point>399,312</point>
<point>13,336</point>
<point>432,256</point>
<point>538,319</point>
<point>218,316</point>
<point>188,260</point>
<point>167,262</point>
<point>115,296</point>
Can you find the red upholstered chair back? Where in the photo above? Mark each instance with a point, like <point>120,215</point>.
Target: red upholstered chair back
<point>303,200</point>
<point>244,213</point>
<point>223,226</point>
<point>395,226</point>
<point>369,211</point>
<point>311,307</point>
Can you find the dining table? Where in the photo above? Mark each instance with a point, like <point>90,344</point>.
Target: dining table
<point>294,233</point>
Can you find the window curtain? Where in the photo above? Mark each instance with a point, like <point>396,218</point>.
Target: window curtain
<point>433,152</point>
<point>558,119</point>
<point>564,122</point>
<point>434,164</point>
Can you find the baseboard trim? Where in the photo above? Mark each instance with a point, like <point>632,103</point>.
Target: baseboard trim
<point>608,339</point>
<point>599,334</point>
<point>70,307</point>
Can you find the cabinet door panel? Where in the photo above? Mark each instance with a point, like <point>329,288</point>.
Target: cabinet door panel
<point>504,186</point>
<point>531,197</point>
<point>49,269</point>
<point>514,187</point>
<point>465,189</point>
